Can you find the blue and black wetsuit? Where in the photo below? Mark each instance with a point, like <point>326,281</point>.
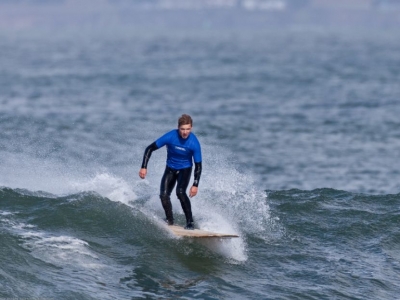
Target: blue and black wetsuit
<point>181,153</point>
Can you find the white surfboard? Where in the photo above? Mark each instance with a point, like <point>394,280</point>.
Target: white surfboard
<point>197,233</point>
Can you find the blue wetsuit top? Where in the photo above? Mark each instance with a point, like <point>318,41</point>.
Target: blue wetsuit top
<point>180,151</point>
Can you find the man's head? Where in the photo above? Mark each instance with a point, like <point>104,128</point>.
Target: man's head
<point>185,124</point>
<point>185,120</point>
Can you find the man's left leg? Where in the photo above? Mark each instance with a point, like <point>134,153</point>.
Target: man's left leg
<point>182,184</point>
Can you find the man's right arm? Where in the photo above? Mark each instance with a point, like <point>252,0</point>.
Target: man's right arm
<point>146,157</point>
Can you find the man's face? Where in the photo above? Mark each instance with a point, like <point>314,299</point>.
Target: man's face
<point>184,130</point>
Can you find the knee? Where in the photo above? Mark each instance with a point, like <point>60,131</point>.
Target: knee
<point>180,191</point>
<point>164,197</point>
<point>181,194</point>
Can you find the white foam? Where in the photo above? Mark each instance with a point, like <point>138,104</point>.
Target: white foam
<point>233,249</point>
<point>5,213</point>
<point>36,174</point>
<point>107,185</point>
<point>227,202</point>
<point>59,250</point>
<point>73,258</point>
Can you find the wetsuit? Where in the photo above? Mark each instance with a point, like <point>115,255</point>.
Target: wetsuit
<point>180,156</point>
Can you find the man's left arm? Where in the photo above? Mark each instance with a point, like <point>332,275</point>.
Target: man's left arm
<point>197,175</point>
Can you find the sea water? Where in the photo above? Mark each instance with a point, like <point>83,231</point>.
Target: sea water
<point>300,139</point>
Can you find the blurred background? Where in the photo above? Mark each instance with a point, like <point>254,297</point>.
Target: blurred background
<point>207,14</point>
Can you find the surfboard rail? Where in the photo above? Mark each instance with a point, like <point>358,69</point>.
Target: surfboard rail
<point>197,233</point>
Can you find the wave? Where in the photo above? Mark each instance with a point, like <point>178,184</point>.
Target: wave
<point>89,240</point>
<point>108,241</point>
<point>104,211</point>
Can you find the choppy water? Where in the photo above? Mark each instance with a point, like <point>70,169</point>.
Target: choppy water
<point>300,136</point>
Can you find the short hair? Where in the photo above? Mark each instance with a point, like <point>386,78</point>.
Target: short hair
<point>185,120</point>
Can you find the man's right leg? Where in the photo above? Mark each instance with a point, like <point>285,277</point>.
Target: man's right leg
<point>167,185</point>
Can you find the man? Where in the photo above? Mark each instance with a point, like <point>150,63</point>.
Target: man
<point>183,148</point>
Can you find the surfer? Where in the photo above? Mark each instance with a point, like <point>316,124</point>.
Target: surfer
<point>183,148</point>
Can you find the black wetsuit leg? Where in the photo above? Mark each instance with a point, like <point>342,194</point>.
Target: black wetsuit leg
<point>168,182</point>
<point>183,182</point>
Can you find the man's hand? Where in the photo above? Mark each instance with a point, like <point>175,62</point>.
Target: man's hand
<point>143,173</point>
<point>193,191</point>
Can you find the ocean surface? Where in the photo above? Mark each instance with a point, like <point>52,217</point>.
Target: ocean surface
<point>300,133</point>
